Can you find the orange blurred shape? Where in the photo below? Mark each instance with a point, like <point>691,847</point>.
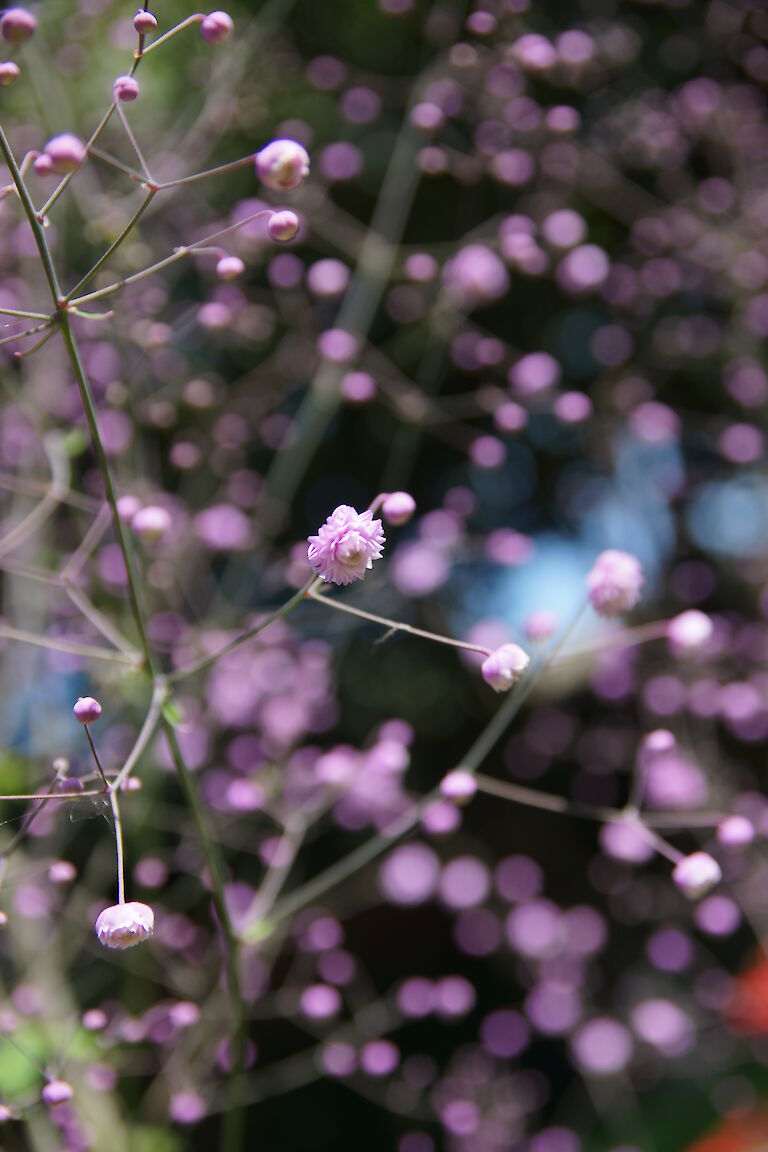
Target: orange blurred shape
<point>737,1134</point>
<point>746,1011</point>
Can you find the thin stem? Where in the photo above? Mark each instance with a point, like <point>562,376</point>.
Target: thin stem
<point>159,696</point>
<point>395,625</point>
<point>285,856</point>
<point>27,332</point>
<point>113,162</point>
<point>38,346</point>
<point>234,1120</point>
<point>115,244</point>
<point>72,647</point>
<point>74,564</point>
<point>52,795</point>
<point>134,142</point>
<point>532,798</point>
<point>206,661</point>
<point>177,254</point>
<point>100,621</point>
<point>96,759</point>
<point>219,170</point>
<point>119,844</point>
<point>63,184</point>
<point>25,315</point>
<point>197,18</point>
<point>101,456</point>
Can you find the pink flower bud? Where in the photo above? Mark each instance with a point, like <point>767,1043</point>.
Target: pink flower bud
<point>66,153</point>
<point>216,26</point>
<point>458,786</point>
<point>151,523</point>
<point>615,582</point>
<point>540,625</point>
<point>57,1092</point>
<point>689,631</point>
<point>283,226</point>
<point>735,831</point>
<point>398,508</point>
<point>144,22</point>
<point>5,1114</point>
<point>127,507</point>
<point>43,165</point>
<point>17,25</point>
<point>696,874</point>
<point>9,73</point>
<point>125,89</point>
<point>282,165</point>
<point>62,872</point>
<point>229,268</point>
<point>504,667</point>
<point>124,925</point>
<point>95,1019</point>
<point>87,710</point>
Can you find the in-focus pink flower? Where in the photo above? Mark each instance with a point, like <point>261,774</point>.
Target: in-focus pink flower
<point>504,667</point>
<point>282,165</point>
<point>346,546</point>
<point>615,583</point>
<point>124,925</point>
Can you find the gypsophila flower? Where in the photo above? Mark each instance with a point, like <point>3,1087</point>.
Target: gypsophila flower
<point>123,925</point>
<point>346,546</point>
<point>504,667</point>
<point>696,874</point>
<point>614,583</point>
<point>282,165</point>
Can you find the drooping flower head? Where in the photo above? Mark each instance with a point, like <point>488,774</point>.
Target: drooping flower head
<point>124,925</point>
<point>346,546</point>
<point>614,583</point>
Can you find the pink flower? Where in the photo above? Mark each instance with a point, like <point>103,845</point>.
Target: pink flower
<point>346,545</point>
<point>696,874</point>
<point>17,25</point>
<point>57,1092</point>
<point>283,226</point>
<point>615,582</point>
<point>282,165</point>
<point>125,89</point>
<point>65,153</point>
<point>504,667</point>
<point>87,710</point>
<point>124,925</point>
<point>216,26</point>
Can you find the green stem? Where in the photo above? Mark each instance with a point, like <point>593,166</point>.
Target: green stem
<point>207,661</point>
<point>232,1137</point>
<point>115,244</point>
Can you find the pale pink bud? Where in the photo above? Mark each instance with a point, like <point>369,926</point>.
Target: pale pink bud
<point>95,1019</point>
<point>87,710</point>
<point>282,165</point>
<point>127,507</point>
<point>151,523</point>
<point>504,667</point>
<point>216,26</point>
<point>229,268</point>
<point>17,25</point>
<point>398,508</point>
<point>540,625</point>
<point>43,165</point>
<point>5,1114</point>
<point>57,1092</point>
<point>9,73</point>
<point>62,872</point>
<point>283,226</point>
<point>735,831</point>
<point>66,153</point>
<point>124,925</point>
<point>144,22</point>
<point>125,89</point>
<point>689,631</point>
<point>458,786</point>
<point>614,583</point>
<point>696,874</point>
